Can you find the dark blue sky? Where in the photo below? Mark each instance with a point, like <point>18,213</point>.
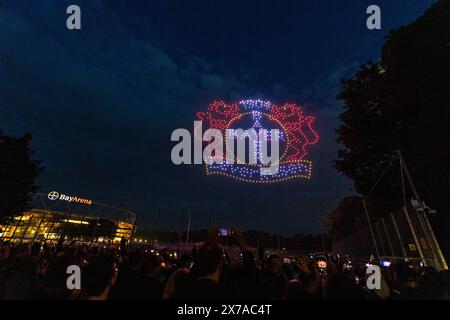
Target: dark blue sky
<point>102,102</point>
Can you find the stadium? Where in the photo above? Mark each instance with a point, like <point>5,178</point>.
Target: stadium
<point>55,215</point>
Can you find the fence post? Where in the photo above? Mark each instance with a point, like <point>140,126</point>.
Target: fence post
<point>370,228</point>
<point>414,236</point>
<point>398,235</point>
<point>387,237</point>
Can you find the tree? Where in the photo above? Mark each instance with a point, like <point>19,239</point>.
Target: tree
<point>345,219</point>
<point>402,102</point>
<point>18,172</point>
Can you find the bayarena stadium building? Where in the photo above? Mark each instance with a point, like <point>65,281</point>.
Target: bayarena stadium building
<point>55,215</point>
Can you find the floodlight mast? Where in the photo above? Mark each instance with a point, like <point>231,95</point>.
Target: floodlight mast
<point>422,216</point>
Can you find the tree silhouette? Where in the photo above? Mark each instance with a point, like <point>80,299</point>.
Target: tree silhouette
<point>402,102</point>
<point>18,172</point>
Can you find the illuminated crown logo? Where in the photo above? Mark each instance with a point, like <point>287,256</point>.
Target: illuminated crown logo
<point>296,134</point>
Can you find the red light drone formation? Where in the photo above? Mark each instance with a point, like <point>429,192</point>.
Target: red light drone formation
<point>296,134</point>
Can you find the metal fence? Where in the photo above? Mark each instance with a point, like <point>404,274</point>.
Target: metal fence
<point>394,234</point>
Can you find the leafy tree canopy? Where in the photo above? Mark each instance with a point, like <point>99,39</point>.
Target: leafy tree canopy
<point>18,172</point>
<point>402,102</point>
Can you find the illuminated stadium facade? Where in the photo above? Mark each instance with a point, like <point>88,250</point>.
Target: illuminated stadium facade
<point>56,215</point>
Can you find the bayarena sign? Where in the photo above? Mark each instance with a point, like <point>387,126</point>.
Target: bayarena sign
<point>54,195</point>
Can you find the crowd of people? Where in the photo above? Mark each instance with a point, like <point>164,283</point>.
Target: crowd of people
<point>39,271</point>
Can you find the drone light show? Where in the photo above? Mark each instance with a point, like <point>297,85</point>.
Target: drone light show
<point>296,134</point>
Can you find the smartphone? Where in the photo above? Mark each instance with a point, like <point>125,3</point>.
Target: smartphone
<point>225,232</point>
<point>385,263</point>
<point>322,265</point>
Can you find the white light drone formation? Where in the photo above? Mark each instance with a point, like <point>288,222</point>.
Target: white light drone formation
<point>295,132</point>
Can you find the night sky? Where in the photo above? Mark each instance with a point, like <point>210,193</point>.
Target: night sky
<point>102,102</point>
